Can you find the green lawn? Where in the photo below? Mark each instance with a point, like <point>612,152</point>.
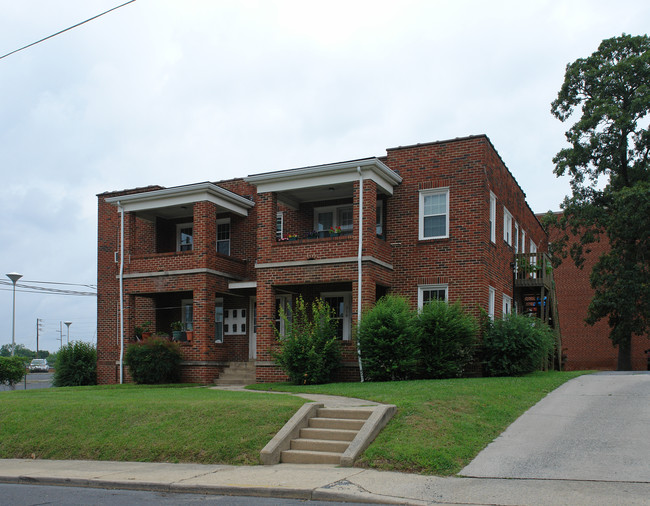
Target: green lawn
<point>441,425</point>
<point>139,423</point>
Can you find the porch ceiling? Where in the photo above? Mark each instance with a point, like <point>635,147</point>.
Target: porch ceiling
<point>176,202</point>
<point>325,182</point>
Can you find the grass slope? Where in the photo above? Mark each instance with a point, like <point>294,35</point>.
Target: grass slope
<point>441,425</point>
<point>140,423</point>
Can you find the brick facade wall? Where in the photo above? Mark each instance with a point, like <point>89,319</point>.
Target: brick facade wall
<point>398,261</point>
<point>586,346</point>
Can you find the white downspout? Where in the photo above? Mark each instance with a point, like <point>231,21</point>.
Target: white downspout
<point>121,209</point>
<point>359,268</point>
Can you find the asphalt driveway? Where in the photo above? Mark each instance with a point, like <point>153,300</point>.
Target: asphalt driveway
<point>594,427</point>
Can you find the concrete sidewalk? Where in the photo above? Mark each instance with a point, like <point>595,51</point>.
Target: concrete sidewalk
<point>320,483</point>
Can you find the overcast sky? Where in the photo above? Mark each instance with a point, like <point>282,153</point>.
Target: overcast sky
<point>176,92</point>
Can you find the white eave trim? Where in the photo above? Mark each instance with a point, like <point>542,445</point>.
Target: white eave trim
<point>184,195</point>
<point>324,175</point>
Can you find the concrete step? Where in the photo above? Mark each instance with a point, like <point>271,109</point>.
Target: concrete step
<point>307,457</point>
<point>329,434</point>
<point>336,423</point>
<point>352,413</point>
<point>319,445</point>
<point>237,373</point>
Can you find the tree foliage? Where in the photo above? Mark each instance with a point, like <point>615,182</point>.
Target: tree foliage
<point>608,162</point>
<point>309,351</point>
<point>76,365</point>
<point>154,361</point>
<point>447,336</point>
<point>12,370</point>
<point>388,339</point>
<point>21,351</point>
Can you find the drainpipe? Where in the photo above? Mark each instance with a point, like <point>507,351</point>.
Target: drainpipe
<point>360,269</point>
<point>121,210</point>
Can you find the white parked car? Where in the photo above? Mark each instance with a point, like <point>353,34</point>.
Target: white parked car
<point>39,365</point>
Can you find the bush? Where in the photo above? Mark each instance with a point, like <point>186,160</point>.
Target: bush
<point>388,340</point>
<point>309,351</point>
<point>447,337</point>
<point>516,345</point>
<point>76,365</point>
<point>153,361</point>
<point>12,370</point>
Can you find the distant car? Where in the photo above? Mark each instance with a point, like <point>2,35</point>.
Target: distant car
<point>39,365</point>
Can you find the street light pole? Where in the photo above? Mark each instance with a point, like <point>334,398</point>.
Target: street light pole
<point>67,324</point>
<point>13,276</point>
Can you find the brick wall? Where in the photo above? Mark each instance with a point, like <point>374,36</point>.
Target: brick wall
<point>586,346</point>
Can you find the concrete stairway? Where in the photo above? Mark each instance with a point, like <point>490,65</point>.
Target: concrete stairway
<point>327,436</point>
<point>237,373</point>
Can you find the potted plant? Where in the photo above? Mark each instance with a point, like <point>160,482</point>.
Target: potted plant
<point>335,231</point>
<point>142,331</point>
<point>312,235</point>
<point>177,331</point>
<point>293,237</point>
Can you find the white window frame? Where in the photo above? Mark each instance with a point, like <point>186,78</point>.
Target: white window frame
<point>493,217</point>
<point>218,302</point>
<point>507,304</point>
<point>523,241</point>
<point>380,218</point>
<point>180,227</point>
<point>507,226</point>
<point>279,224</point>
<point>516,238</point>
<point>223,221</point>
<point>427,193</point>
<point>336,218</point>
<point>424,288</point>
<point>187,314</point>
<point>492,295</point>
<point>252,328</point>
<point>285,303</point>
<point>346,321</point>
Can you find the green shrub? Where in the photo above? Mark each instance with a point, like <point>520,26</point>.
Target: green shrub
<point>309,351</point>
<point>12,370</point>
<point>388,341</point>
<point>76,365</point>
<point>154,361</point>
<point>516,345</point>
<point>447,337</point>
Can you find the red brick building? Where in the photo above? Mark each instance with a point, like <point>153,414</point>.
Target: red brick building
<point>436,220</point>
<point>586,346</point>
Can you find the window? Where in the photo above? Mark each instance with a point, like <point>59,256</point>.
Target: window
<point>533,258</point>
<point>427,293</point>
<point>334,216</point>
<point>223,236</point>
<point>234,321</point>
<point>341,302</point>
<point>507,226</point>
<point>282,302</point>
<point>184,237</point>
<point>279,225</point>
<point>380,218</point>
<point>187,314</point>
<point>516,237</point>
<point>523,241</point>
<point>491,300</point>
<point>218,321</point>
<point>434,214</point>
<point>507,305</point>
<point>493,217</point>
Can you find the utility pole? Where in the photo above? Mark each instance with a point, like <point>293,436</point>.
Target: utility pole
<point>39,323</point>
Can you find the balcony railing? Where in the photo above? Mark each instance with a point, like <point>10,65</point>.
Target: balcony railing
<point>533,270</point>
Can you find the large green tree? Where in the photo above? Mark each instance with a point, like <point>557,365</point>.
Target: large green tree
<point>608,163</point>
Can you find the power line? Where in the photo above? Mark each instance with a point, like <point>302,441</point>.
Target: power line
<point>63,31</point>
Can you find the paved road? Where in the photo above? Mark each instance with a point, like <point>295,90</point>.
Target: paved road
<point>594,427</point>
<point>28,495</point>
<point>34,380</point>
